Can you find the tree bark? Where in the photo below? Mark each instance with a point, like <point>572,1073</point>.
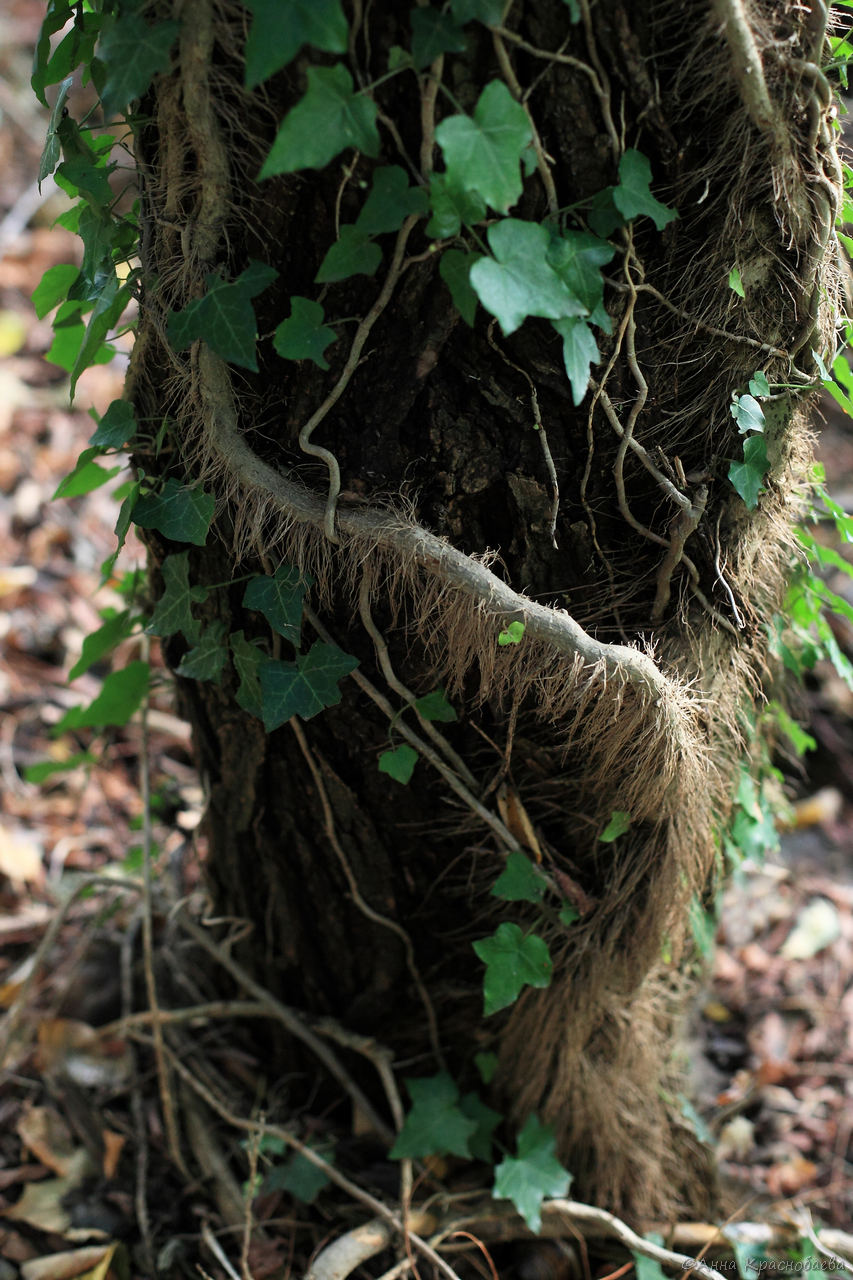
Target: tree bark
<point>364,896</point>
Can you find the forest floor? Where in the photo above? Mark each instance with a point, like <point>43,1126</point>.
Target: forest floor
<point>771,1036</point>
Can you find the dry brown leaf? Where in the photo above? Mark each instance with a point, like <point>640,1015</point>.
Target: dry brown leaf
<point>113,1146</point>
<point>515,819</point>
<point>43,1132</point>
<point>41,1204</point>
<point>91,1263</point>
<point>76,1050</point>
<point>790,1177</point>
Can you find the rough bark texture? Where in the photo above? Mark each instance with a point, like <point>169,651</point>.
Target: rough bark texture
<point>439,415</point>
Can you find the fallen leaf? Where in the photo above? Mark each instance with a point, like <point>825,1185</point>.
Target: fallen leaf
<point>43,1132</point>
<point>113,1145</point>
<point>91,1263</point>
<point>790,1177</point>
<point>41,1205</point>
<point>818,925</point>
<point>20,857</point>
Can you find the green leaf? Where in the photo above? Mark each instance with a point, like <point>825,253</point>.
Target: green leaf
<point>519,281</point>
<point>279,31</point>
<point>747,413</point>
<point>329,118</point>
<point>279,599</point>
<point>115,427</point>
<point>452,208</point>
<point>102,641</point>
<point>455,270</point>
<point>618,824</point>
<point>488,11</point>
<point>303,336</point>
<point>133,53</point>
<point>206,660</point>
<point>735,282</point>
<point>304,687</point>
<point>513,960</point>
<point>224,318</point>
<point>434,33</point>
<point>578,257</point>
<point>399,764</point>
<point>649,1268</point>
<point>487,1065</point>
<point>821,367</point>
<point>434,706</point>
<point>57,13</point>
<point>483,153</point>
<point>520,881</point>
<point>758,384</point>
<point>568,914</point>
<point>633,197</point>
<point>44,769</point>
<point>53,288</point>
<point>512,634</point>
<point>534,1174</point>
<point>179,513</point>
<point>390,202</point>
<point>121,695</point>
<point>299,1177</point>
<point>604,218</point>
<point>173,611</point>
<point>580,351</point>
<point>486,1119</point>
<point>352,254</point>
<point>52,149</point>
<point>748,476</point>
<point>105,316</point>
<point>435,1125</point>
<point>248,656</point>
<point>86,476</point>
<point>574,10</point>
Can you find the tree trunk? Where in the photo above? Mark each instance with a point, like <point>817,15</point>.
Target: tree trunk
<point>365,895</point>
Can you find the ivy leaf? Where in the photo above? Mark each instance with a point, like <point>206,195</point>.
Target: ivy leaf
<point>574,10</point>
<point>578,257</point>
<point>758,384</point>
<point>173,611</point>
<point>434,33</point>
<point>86,476</point>
<point>44,769</point>
<point>52,149</point>
<point>488,11</point>
<point>53,287</point>
<point>279,31</point>
<point>483,153</point>
<point>303,336</point>
<point>748,414</point>
<point>513,960</point>
<point>452,207</point>
<point>105,315</point>
<point>329,118</point>
<point>604,218</point>
<point>133,53</point>
<point>486,1119</point>
<point>304,687</point>
<point>526,1179</point>
<point>179,513</point>
<point>748,476</point>
<point>279,599</point>
<point>435,1125</point>
<point>633,196</point>
<point>399,764</point>
<point>299,1177</point>
<point>487,1065</point>
<point>352,254</point>
<point>224,318</point>
<point>248,656</point>
<point>121,695</point>
<point>513,633</point>
<point>519,281</point>
<point>580,350</point>
<point>455,270</point>
<point>102,641</point>
<point>519,881</point>
<point>617,825</point>
<point>568,914</point>
<point>390,202</point>
<point>115,427</point>
<point>206,660</point>
<point>735,283</point>
<point>434,706</point>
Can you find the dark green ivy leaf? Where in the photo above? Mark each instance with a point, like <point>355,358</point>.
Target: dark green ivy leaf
<point>434,706</point>
<point>304,687</point>
<point>179,513</point>
<point>526,1179</point>
<point>748,476</point>
<point>329,118</point>
<point>519,281</point>
<point>133,53</point>
<point>390,202</point>
<point>248,656</point>
<point>483,153</point>
<point>57,13</point>
<point>513,960</point>
<point>206,660</point>
<point>633,196</point>
<point>86,476</point>
<point>352,254</point>
<point>53,287</point>
<point>580,350</point>
<point>487,1065</point>
<point>578,257</point>
<point>488,11</point>
<point>399,763</point>
<point>279,31</point>
<point>304,336</point>
<point>298,1176</point>
<point>435,1125</point>
<point>279,599</point>
<point>434,33</point>
<point>455,270</point>
<point>519,881</point>
<point>106,314</point>
<point>173,611</point>
<point>452,207</point>
<point>121,695</point>
<point>224,318</point>
<point>102,641</point>
<point>486,1120</point>
<point>604,218</point>
<point>116,426</point>
<point>52,149</point>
